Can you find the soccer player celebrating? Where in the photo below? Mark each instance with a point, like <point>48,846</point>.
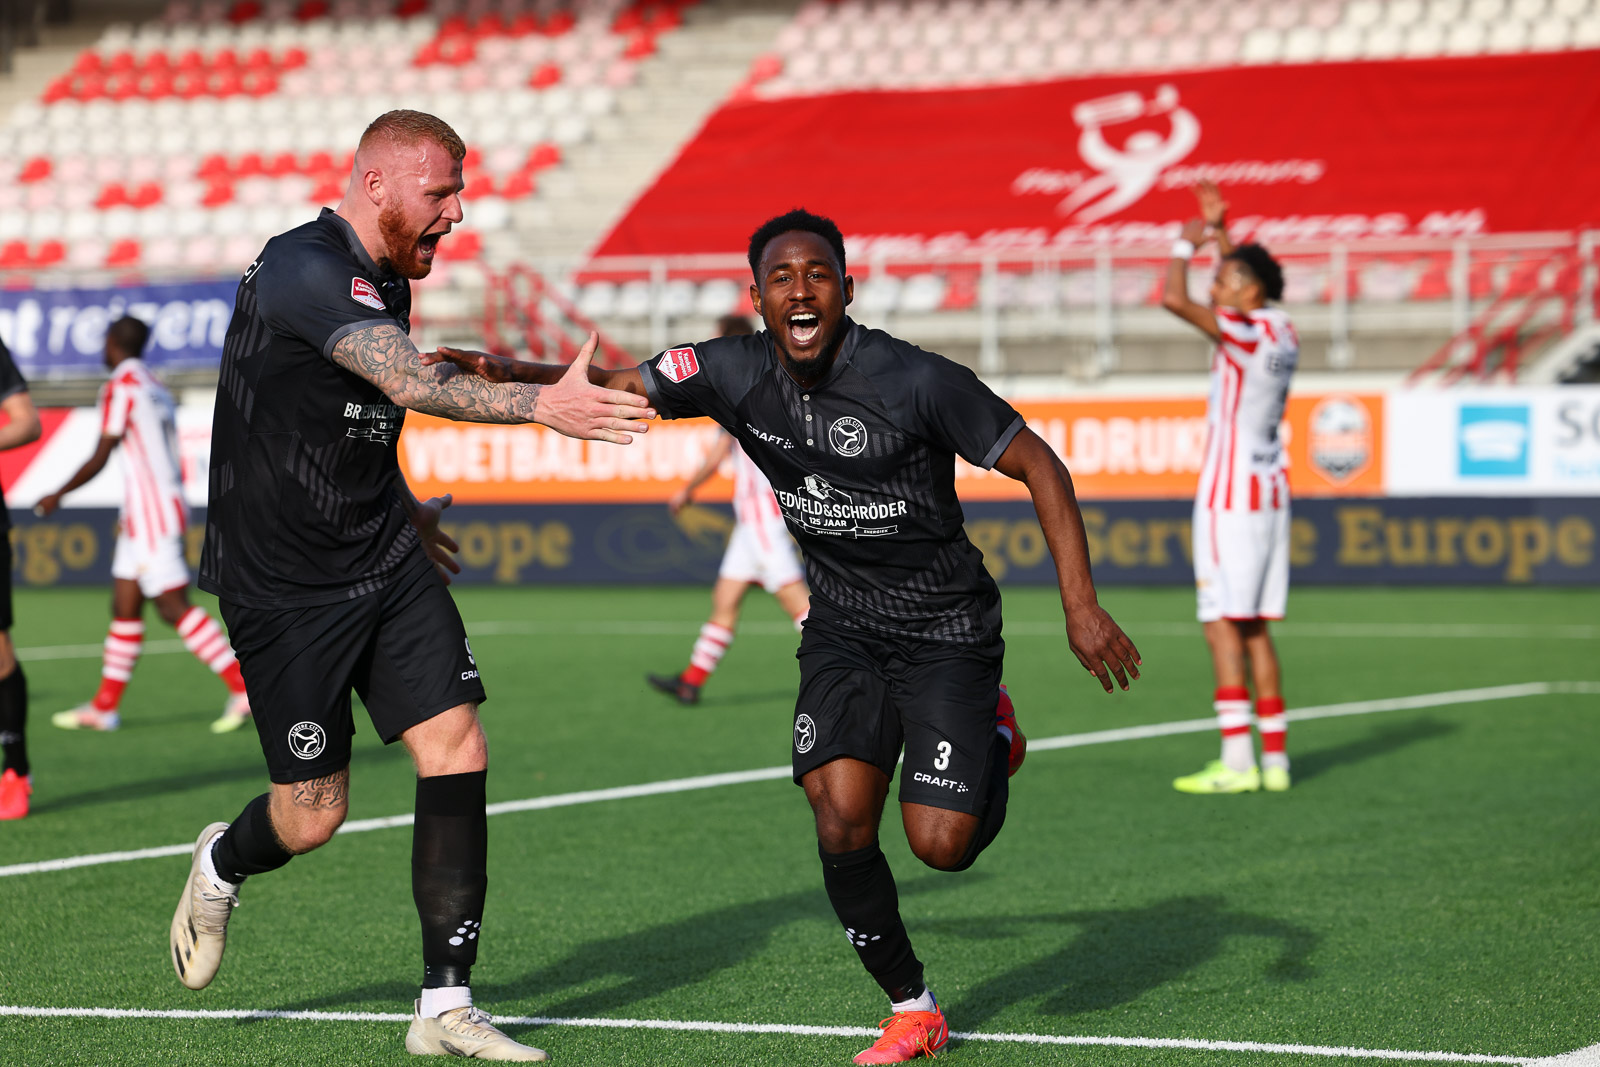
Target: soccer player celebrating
<point>1241,508</point>
<point>16,776</point>
<point>858,433</point>
<point>136,412</point>
<point>329,570</point>
<point>759,551</point>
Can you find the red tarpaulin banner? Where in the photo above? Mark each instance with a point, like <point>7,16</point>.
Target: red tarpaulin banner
<point>1333,151</point>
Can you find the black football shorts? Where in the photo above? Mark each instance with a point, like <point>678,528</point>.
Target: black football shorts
<point>403,649</point>
<point>864,696</point>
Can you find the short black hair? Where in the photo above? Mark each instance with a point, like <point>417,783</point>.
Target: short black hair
<point>129,335</point>
<point>734,326</point>
<point>1262,267</point>
<point>799,219</point>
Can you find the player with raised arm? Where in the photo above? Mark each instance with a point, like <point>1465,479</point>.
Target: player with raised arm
<point>858,433</point>
<point>137,419</point>
<point>1241,507</point>
<point>16,774</point>
<point>760,551</point>
<point>329,571</point>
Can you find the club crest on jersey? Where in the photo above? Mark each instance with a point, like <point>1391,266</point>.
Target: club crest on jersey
<point>677,364</point>
<point>847,436</point>
<point>364,292</point>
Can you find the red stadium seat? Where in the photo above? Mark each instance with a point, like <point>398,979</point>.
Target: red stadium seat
<point>89,62</point>
<point>123,253</point>
<point>318,163</point>
<point>14,255</point>
<point>465,245</point>
<point>544,76</point>
<point>525,25</point>
<point>217,193</point>
<point>765,67</point>
<point>327,190</point>
<point>282,164</point>
<point>541,156</point>
<point>244,11</point>
<point>559,23</point>
<point>121,61</point>
<point>292,59</point>
<point>213,166</point>
<point>191,60</point>
<point>57,91</point>
<point>407,8</point>
<point>311,9</point>
<point>478,186</point>
<point>112,194</point>
<point>518,186</point>
<point>36,169</point>
<point>49,253</point>
<point>147,194</point>
<point>640,45</point>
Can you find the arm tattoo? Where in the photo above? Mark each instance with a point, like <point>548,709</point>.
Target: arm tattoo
<point>329,792</point>
<point>385,356</point>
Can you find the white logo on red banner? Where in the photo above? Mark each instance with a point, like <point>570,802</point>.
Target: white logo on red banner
<point>678,363</point>
<point>364,292</point>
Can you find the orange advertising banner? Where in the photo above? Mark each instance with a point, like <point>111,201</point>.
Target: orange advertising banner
<point>1116,448</point>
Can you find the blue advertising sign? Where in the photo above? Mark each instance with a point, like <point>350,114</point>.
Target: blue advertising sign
<point>1492,441</point>
<point>60,333</point>
<point>1398,541</point>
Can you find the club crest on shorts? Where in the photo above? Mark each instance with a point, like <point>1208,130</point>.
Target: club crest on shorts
<point>307,740</point>
<point>364,292</point>
<point>805,734</point>
<point>847,436</point>
<point>677,364</point>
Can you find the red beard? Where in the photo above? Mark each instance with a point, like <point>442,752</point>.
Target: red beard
<point>402,245</point>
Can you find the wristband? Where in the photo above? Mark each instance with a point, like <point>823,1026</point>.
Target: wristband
<point>1183,248</point>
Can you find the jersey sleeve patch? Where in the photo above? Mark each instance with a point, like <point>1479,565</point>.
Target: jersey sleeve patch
<point>678,364</point>
<point>364,292</point>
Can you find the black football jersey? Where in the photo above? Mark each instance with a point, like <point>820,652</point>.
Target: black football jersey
<point>304,509</point>
<point>11,383</point>
<point>863,465</point>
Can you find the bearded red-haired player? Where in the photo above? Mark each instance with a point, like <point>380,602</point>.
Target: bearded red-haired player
<point>1241,511</point>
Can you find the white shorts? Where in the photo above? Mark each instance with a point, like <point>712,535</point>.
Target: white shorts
<point>1241,564</point>
<point>156,568</point>
<point>762,553</point>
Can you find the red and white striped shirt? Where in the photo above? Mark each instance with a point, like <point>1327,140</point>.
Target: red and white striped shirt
<point>753,502</point>
<point>1245,461</point>
<point>137,408</point>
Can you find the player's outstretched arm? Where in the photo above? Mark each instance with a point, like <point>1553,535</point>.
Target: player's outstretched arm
<point>1175,294</point>
<point>714,457</point>
<point>91,467</point>
<point>1098,642</point>
<point>22,421</point>
<point>571,405</point>
<point>500,369</point>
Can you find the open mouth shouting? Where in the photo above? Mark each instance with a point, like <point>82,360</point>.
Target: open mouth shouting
<point>804,326</point>
<point>428,245</point>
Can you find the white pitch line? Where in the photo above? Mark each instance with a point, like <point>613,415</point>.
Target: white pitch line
<point>1450,631</point>
<point>766,774</point>
<point>1196,1044</point>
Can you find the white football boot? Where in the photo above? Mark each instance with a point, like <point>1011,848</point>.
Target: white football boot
<point>200,925</point>
<point>465,1032</point>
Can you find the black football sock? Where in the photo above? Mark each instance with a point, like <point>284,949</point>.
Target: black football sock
<point>14,721</point>
<point>449,859</point>
<point>249,845</point>
<point>861,889</point>
<point>993,816</point>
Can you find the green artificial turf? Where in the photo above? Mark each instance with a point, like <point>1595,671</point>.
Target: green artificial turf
<point>1430,882</point>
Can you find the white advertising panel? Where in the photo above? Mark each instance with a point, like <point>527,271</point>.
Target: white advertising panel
<point>1504,441</point>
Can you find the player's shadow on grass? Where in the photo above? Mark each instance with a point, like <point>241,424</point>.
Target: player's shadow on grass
<point>644,964</point>
<point>1116,956</point>
<point>249,771</point>
<point>636,966</point>
<point>1387,739</point>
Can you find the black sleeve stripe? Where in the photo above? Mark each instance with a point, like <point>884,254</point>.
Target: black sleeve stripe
<point>1000,446</point>
<point>653,392</point>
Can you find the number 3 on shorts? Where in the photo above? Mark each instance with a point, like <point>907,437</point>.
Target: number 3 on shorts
<point>942,760</point>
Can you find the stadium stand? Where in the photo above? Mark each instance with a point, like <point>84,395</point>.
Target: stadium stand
<point>174,146</point>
